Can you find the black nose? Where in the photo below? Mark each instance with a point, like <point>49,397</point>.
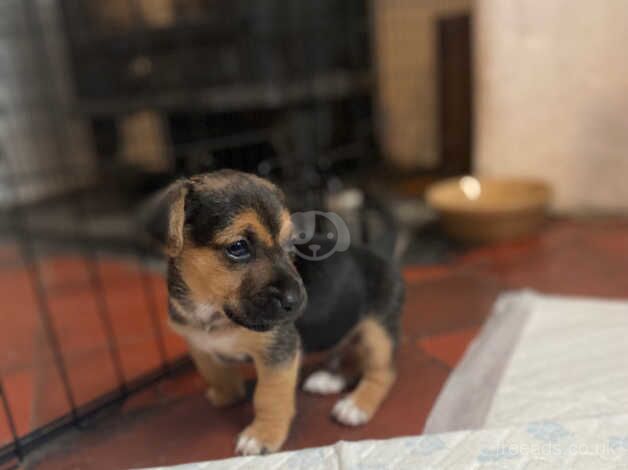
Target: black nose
<point>288,299</point>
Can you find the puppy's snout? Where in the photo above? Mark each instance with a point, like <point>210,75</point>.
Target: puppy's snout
<point>289,300</point>
<point>289,295</point>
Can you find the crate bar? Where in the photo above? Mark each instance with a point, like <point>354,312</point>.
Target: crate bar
<point>10,421</point>
<point>35,279</point>
<point>151,304</point>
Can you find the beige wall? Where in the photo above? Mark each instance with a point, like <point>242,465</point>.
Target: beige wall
<point>405,49</point>
<point>552,97</point>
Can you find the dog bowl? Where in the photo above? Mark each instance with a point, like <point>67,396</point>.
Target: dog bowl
<point>479,210</point>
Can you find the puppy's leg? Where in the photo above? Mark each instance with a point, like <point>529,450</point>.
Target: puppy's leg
<point>375,347</point>
<point>274,405</point>
<point>225,385</point>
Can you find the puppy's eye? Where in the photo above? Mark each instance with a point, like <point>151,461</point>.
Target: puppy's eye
<point>239,250</point>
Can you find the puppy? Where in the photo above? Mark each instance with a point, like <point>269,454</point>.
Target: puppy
<point>238,291</point>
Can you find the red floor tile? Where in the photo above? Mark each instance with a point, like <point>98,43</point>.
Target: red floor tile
<point>19,320</point>
<point>568,270</point>
<point>448,347</point>
<point>415,274</point>
<point>78,322</point>
<point>457,301</point>
<point>129,311</point>
<point>18,388</point>
<point>5,430</point>
<point>64,270</point>
<point>139,357</point>
<point>196,431</point>
<point>92,375</point>
<point>50,400</point>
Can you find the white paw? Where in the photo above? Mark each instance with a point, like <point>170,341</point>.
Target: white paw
<point>248,445</point>
<point>324,383</point>
<point>347,412</point>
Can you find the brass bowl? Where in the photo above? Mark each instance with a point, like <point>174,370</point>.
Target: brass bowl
<point>480,210</point>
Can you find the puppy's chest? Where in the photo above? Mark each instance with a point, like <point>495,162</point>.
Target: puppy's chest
<point>215,343</point>
<point>222,344</point>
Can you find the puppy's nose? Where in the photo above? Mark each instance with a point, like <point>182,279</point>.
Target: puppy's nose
<point>289,300</point>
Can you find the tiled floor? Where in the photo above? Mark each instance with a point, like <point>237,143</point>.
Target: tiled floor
<point>172,423</point>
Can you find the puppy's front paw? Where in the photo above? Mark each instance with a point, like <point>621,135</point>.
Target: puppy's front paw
<point>252,442</point>
<point>324,382</point>
<point>248,445</point>
<point>220,397</point>
<point>348,413</point>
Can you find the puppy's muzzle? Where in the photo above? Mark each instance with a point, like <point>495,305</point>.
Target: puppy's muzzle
<point>290,297</point>
<point>282,301</point>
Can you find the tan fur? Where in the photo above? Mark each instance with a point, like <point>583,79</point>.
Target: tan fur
<point>274,397</point>
<point>216,289</point>
<point>285,232</point>
<point>175,240</point>
<point>274,402</point>
<point>247,220</point>
<point>225,385</point>
<point>375,350</point>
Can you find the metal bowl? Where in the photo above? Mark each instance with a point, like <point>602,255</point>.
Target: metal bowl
<point>479,210</point>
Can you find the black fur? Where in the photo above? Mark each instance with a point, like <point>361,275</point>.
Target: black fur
<point>284,346</point>
<point>177,288</point>
<point>209,211</point>
<point>343,289</point>
<point>174,314</point>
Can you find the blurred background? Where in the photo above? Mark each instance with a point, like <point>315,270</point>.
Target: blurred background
<point>373,109</point>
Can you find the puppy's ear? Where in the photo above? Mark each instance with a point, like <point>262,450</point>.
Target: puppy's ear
<point>163,217</point>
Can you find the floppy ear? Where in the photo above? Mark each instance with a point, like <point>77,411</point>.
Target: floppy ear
<point>163,217</point>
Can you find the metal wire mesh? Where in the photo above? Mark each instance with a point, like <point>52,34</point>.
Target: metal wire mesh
<point>100,104</point>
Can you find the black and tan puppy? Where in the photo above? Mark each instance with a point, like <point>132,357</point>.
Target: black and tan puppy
<point>238,292</point>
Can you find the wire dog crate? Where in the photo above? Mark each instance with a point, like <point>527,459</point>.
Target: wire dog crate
<point>102,103</point>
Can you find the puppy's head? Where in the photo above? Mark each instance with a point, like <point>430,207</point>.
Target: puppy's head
<point>227,234</point>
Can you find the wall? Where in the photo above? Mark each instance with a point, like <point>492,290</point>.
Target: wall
<point>552,97</point>
<point>406,60</point>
